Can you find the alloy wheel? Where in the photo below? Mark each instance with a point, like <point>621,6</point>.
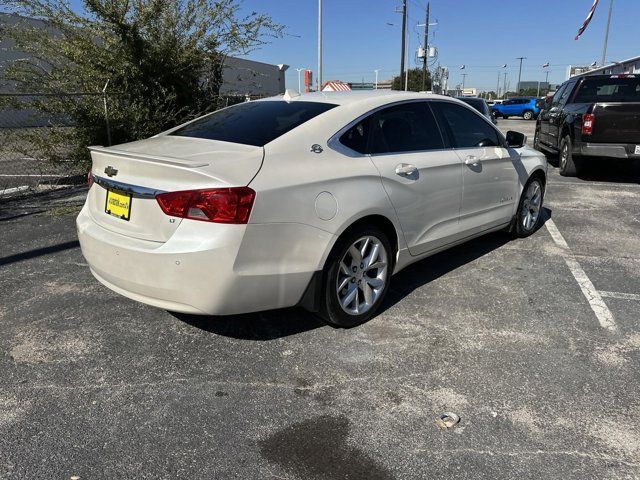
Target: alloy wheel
<point>532,202</point>
<point>564,155</point>
<point>362,275</point>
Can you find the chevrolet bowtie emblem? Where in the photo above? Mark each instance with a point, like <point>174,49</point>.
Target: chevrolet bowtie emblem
<point>110,171</point>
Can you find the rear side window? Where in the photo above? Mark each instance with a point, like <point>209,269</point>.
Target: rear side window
<point>626,89</point>
<point>253,123</point>
<point>467,128</point>
<point>408,127</point>
<point>356,137</point>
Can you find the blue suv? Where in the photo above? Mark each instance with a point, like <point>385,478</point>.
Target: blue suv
<point>517,107</point>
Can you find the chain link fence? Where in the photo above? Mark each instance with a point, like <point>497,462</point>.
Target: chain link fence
<point>25,167</point>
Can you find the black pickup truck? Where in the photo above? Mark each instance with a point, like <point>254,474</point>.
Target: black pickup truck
<point>591,116</point>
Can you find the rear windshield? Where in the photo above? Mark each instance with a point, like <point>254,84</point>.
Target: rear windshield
<point>475,103</point>
<point>596,90</point>
<point>253,123</point>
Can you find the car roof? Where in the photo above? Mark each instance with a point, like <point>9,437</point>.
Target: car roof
<point>380,97</point>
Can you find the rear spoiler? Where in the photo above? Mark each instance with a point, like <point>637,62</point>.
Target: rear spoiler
<point>145,157</point>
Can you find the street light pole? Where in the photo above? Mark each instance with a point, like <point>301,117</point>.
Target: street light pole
<point>376,71</point>
<point>464,77</point>
<point>606,35</point>
<point>504,86</point>
<point>519,75</point>
<point>299,84</point>
<point>319,45</point>
<point>498,87</point>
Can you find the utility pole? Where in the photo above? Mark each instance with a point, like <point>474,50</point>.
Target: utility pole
<point>519,75</point>
<point>376,71</point>
<point>319,45</point>
<point>606,35</point>
<point>426,50</point>
<point>299,84</point>
<point>464,77</point>
<point>404,35</point>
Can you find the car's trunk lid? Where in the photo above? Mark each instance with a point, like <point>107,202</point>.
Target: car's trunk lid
<point>162,164</point>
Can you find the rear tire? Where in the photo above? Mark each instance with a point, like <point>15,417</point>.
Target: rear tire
<point>528,115</point>
<point>356,277</point>
<point>566,160</point>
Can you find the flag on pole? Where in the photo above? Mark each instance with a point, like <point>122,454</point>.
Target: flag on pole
<point>585,24</point>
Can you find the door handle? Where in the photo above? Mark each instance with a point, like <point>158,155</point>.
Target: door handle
<point>406,170</point>
<point>471,160</point>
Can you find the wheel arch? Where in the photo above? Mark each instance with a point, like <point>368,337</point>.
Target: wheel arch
<point>313,293</point>
<point>381,221</point>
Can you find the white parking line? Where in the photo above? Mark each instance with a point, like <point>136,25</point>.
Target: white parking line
<point>29,175</point>
<point>620,295</point>
<point>6,191</point>
<point>604,315</point>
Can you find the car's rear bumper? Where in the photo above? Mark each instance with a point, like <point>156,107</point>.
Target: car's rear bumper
<point>611,150</point>
<point>207,268</point>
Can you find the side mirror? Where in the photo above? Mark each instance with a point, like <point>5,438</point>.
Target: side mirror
<point>516,139</point>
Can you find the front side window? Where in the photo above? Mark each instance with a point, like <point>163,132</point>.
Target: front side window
<point>253,123</point>
<point>556,96</point>
<point>468,129</point>
<point>407,127</point>
<point>566,93</point>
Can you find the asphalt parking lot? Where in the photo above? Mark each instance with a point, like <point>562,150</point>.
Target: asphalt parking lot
<point>534,343</point>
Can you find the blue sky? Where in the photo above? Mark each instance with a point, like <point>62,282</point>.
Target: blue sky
<point>482,34</point>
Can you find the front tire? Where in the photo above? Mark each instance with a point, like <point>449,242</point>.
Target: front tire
<point>536,139</point>
<point>527,217</point>
<point>528,115</point>
<point>566,161</point>
<point>356,277</point>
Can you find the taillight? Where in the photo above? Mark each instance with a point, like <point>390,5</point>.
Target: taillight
<point>588,120</point>
<point>220,205</point>
<point>89,179</point>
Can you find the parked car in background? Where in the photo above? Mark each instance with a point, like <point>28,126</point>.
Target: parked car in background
<point>481,105</point>
<point>517,107</point>
<point>591,116</point>
<point>312,200</point>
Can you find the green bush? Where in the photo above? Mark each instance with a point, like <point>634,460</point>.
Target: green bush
<point>163,60</point>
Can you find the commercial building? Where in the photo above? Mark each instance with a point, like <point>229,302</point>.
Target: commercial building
<point>631,65</point>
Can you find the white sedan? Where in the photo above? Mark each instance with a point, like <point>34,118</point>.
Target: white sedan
<point>312,200</point>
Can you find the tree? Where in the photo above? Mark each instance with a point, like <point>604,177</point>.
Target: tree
<point>162,60</point>
<point>415,81</point>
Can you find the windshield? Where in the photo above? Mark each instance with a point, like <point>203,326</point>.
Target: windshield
<point>253,123</point>
<point>598,90</point>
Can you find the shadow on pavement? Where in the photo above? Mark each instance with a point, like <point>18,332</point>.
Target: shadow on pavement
<point>261,326</point>
<point>274,324</point>
<point>38,252</point>
<point>431,268</point>
<point>610,170</point>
